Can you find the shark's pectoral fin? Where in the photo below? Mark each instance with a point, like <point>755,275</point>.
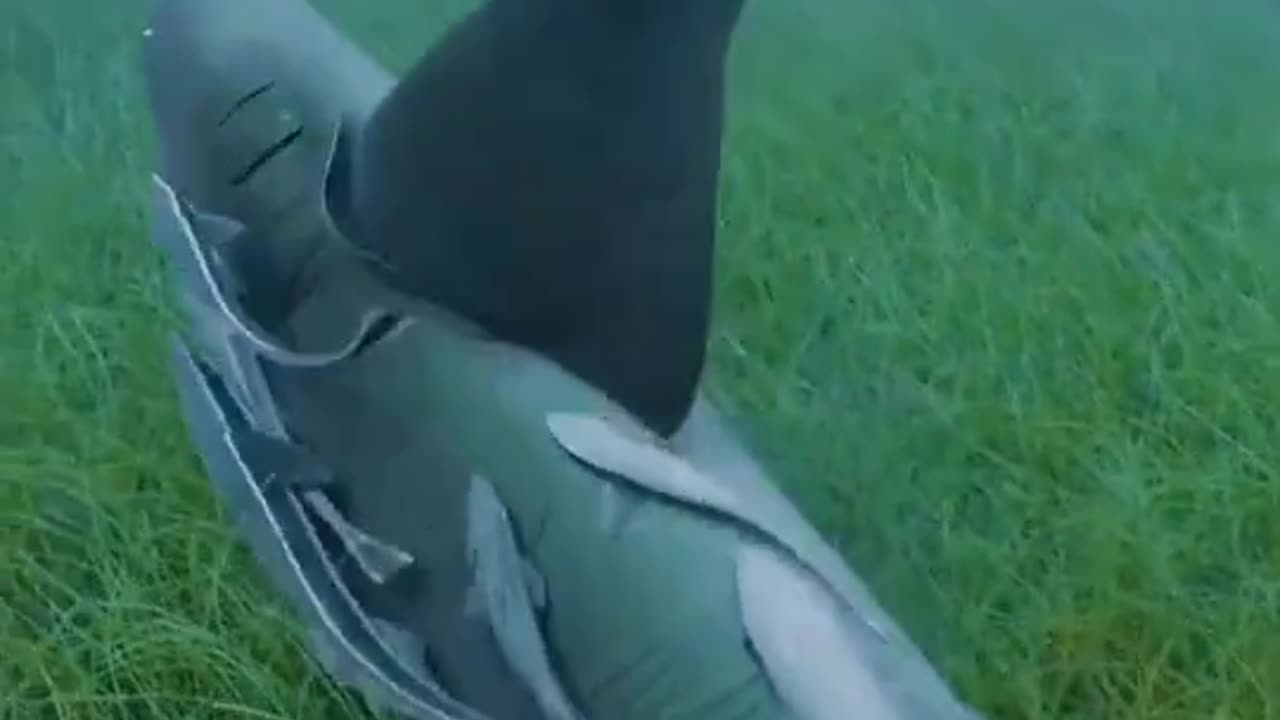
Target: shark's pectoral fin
<point>640,461</point>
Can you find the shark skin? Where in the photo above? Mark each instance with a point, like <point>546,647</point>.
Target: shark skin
<point>256,489</point>
<point>618,573</point>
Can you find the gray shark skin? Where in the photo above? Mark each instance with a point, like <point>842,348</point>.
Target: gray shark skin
<point>471,525</point>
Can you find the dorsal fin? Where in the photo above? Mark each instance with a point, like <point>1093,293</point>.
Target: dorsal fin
<point>561,201</point>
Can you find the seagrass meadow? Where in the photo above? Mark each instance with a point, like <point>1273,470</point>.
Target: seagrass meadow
<point>999,302</point>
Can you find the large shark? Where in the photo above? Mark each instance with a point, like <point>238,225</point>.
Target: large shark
<point>442,361</point>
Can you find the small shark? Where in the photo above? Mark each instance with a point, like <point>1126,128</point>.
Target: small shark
<point>507,590</point>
